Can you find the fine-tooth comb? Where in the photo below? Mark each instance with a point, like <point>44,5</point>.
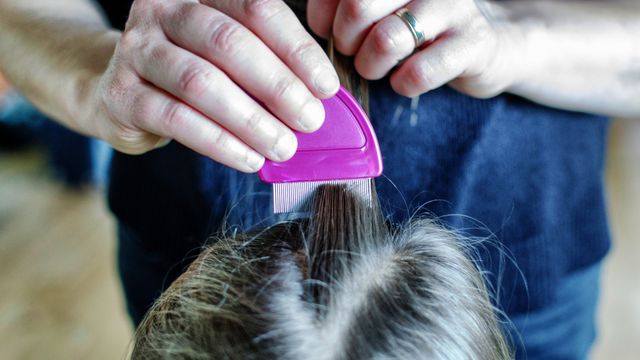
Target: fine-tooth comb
<point>343,151</point>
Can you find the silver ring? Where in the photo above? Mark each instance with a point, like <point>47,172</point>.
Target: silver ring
<point>414,26</point>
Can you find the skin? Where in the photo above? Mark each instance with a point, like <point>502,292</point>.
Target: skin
<point>224,79</point>
<point>573,55</point>
<point>181,70</point>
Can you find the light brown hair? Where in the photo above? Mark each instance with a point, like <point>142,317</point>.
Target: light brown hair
<point>340,285</point>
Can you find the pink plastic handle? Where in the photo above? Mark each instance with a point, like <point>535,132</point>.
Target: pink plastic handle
<point>344,148</point>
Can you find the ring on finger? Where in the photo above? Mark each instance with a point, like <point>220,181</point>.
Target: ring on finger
<point>413,24</point>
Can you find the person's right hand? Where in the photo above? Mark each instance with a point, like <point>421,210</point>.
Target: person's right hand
<point>198,72</point>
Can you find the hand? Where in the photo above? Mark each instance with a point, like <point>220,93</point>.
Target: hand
<point>467,49</point>
<point>198,72</point>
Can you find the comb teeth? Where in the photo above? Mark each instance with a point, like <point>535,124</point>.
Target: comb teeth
<point>290,197</point>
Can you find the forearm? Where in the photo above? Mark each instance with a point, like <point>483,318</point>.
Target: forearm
<point>52,51</point>
<point>577,55</point>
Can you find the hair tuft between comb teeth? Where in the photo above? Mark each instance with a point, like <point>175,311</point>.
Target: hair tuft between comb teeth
<point>297,196</point>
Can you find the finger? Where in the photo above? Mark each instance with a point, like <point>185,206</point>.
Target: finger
<point>436,65</point>
<point>391,40</point>
<point>320,15</point>
<point>248,62</point>
<point>354,19</point>
<point>277,25</point>
<point>211,92</point>
<point>160,114</point>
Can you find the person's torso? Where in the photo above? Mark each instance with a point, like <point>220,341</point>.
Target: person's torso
<point>530,175</point>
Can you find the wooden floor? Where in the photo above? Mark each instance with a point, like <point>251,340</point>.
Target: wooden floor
<point>60,298</point>
<point>59,295</point>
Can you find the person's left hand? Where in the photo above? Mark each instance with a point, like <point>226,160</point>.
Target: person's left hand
<point>468,48</point>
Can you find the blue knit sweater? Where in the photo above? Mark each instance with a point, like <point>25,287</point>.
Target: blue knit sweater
<point>526,177</point>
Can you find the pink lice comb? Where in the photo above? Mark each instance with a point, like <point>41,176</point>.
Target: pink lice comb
<point>344,150</point>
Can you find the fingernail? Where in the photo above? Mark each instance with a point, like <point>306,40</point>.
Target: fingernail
<point>312,115</point>
<point>254,161</point>
<point>285,147</point>
<point>327,81</point>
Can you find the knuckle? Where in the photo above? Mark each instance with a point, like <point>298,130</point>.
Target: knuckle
<point>219,139</point>
<point>358,9</point>
<point>194,80</point>
<point>383,40</point>
<point>261,10</point>
<point>150,50</point>
<point>225,37</point>
<point>160,9</point>
<point>182,14</point>
<point>144,12</point>
<point>157,54</point>
<point>147,9</point>
<point>478,28</point>
<point>113,93</point>
<point>174,116</point>
<point>128,40</point>
<point>254,123</point>
<point>440,63</point>
<point>282,88</point>
<point>420,76</point>
<point>302,49</point>
<point>482,31</point>
<point>142,109</point>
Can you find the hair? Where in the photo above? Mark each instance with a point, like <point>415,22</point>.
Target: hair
<point>341,284</point>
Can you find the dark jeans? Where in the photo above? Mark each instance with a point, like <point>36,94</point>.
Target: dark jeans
<point>564,330</point>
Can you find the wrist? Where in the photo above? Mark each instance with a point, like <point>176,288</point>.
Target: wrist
<point>86,95</point>
<point>512,55</point>
<point>521,35</point>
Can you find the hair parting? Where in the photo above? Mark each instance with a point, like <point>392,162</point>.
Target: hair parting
<point>339,285</point>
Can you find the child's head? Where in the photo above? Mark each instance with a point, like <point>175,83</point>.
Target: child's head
<point>340,285</point>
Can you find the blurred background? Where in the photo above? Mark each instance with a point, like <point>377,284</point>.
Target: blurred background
<point>59,292</point>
